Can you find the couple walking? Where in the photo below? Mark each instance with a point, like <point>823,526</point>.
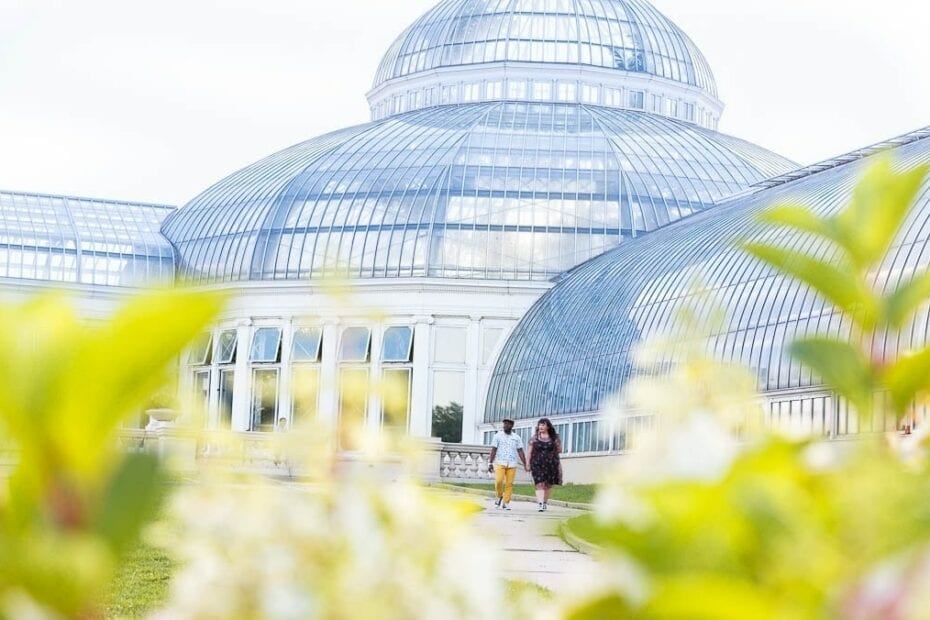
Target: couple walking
<point>542,461</point>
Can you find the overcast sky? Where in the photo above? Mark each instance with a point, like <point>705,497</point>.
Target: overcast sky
<point>156,100</point>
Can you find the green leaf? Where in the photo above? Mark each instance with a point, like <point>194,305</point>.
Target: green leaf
<point>697,596</point>
<point>798,217</point>
<point>842,366</point>
<point>900,305</point>
<point>122,365</point>
<point>907,377</point>
<point>843,289</point>
<point>132,500</point>
<point>879,207</point>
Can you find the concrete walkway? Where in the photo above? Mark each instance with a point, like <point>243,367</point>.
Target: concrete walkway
<point>533,550</point>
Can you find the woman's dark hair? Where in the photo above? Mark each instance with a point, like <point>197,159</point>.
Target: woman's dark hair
<point>553,436</point>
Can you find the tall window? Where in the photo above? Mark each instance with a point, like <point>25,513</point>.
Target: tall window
<point>265,357</point>
<point>449,357</point>
<point>354,358</point>
<point>227,380</point>
<point>637,99</point>
<point>305,373</point>
<point>201,393</point>
<point>200,357</point>
<point>226,347</point>
<point>397,371</point>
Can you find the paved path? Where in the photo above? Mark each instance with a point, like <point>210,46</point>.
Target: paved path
<point>533,550</point>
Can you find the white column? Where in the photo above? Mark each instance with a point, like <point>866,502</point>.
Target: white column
<point>242,382</point>
<point>186,388</point>
<point>329,374</point>
<point>374,378</point>
<point>472,360</point>
<point>421,410</point>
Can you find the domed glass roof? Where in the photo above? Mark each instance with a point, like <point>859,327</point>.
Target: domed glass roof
<point>555,365</point>
<point>622,35</point>
<point>499,190</point>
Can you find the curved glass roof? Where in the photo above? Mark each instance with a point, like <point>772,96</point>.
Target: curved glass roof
<point>624,35</point>
<point>573,349</point>
<point>491,190</point>
<point>83,240</point>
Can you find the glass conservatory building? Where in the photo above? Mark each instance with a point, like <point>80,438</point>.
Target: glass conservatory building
<point>565,369</point>
<point>510,142</point>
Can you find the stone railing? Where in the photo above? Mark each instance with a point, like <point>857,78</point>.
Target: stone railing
<point>460,462</point>
<point>261,453</point>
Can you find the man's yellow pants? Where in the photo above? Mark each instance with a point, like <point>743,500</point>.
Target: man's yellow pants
<point>503,481</point>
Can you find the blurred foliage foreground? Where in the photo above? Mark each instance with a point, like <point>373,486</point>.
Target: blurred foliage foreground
<point>710,517</point>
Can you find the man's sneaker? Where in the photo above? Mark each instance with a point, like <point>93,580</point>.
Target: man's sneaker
<point>545,507</point>
<point>498,501</point>
<point>541,507</point>
<point>506,506</point>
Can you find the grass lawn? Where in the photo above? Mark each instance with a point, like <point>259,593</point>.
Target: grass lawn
<point>141,585</point>
<point>583,493</point>
<point>516,588</point>
<point>583,526</point>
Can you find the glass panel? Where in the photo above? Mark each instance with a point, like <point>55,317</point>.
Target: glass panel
<point>449,345</point>
<point>264,399</point>
<point>448,412</point>
<point>201,393</point>
<point>226,350</point>
<point>266,345</point>
<point>227,380</point>
<point>306,346</point>
<point>353,405</point>
<point>305,390</point>
<point>355,345</point>
<point>200,350</point>
<point>395,414</point>
<point>398,344</point>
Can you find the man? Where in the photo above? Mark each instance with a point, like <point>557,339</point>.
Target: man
<point>506,452</point>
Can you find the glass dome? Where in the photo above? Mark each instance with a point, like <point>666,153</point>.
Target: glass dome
<point>499,190</point>
<point>554,365</point>
<point>472,50</point>
<point>83,240</point>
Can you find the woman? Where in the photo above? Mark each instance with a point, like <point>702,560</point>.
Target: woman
<point>543,461</point>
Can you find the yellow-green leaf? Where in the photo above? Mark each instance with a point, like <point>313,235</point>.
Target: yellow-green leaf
<point>841,287</point>
<point>842,367</point>
<point>799,218</point>
<point>907,377</point>
<point>879,207</point>
<point>901,304</point>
